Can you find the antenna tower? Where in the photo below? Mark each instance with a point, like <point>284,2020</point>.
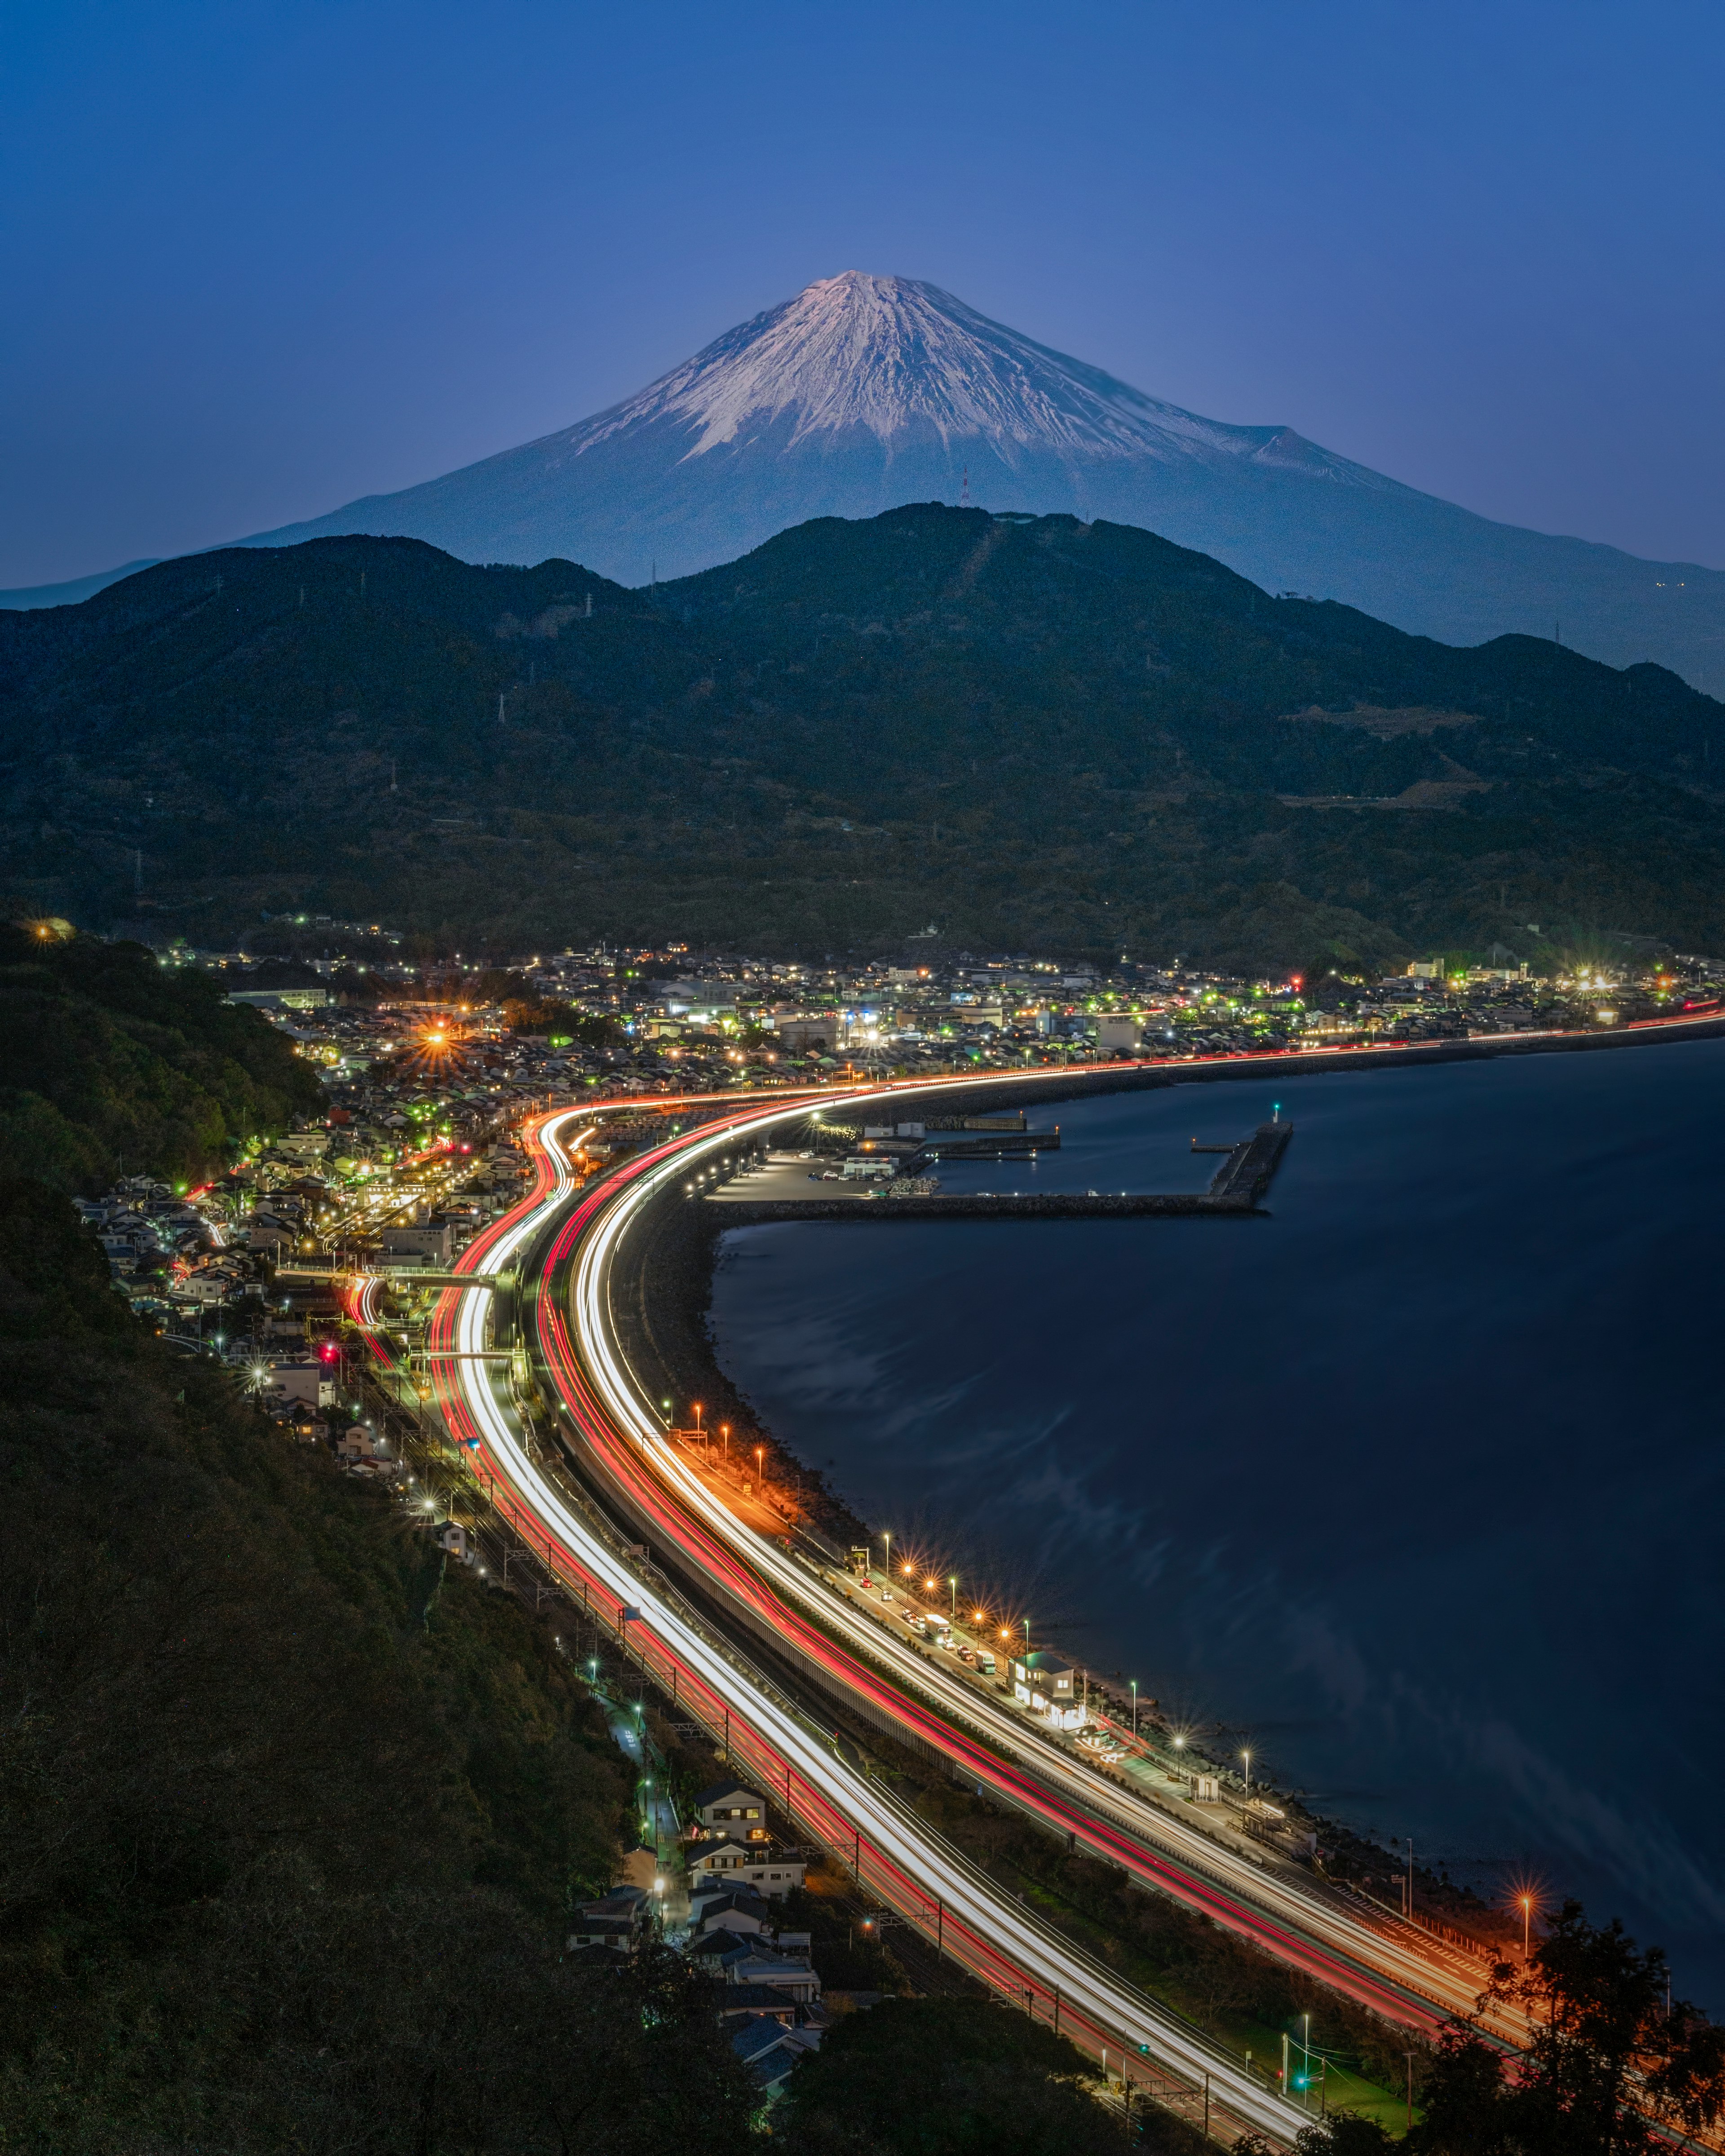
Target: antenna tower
<point>964,490</point>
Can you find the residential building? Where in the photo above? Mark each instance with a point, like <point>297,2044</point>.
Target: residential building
<point>732,1806</point>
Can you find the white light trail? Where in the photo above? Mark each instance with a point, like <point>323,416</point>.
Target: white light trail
<point>1085,1990</point>
<point>1371,1952</point>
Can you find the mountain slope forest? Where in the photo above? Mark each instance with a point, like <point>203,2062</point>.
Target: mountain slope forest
<point>1017,731</point>
<point>292,1820</point>
<point>111,1063</point>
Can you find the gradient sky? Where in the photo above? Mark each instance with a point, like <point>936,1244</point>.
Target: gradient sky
<point>261,258</point>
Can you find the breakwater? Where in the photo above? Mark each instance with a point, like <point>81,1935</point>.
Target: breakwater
<point>981,1205</point>
<point>1236,1190</point>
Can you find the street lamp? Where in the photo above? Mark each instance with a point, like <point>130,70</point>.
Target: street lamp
<point>725,1432</point>
<point>1247,1757</point>
<point>694,1410</point>
<point>1133,1682</point>
<point>886,1540</point>
<point>761,1463</point>
<point>1527,1926</point>
<point>953,1584</point>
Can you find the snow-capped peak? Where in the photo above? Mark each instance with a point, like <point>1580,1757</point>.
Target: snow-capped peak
<point>892,354</point>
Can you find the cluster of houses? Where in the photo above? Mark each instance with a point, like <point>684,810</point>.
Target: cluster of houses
<point>152,1227</point>
<point>767,1991</point>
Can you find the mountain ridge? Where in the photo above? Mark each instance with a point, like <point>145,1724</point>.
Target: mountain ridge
<point>862,392</point>
<point>1031,731</point>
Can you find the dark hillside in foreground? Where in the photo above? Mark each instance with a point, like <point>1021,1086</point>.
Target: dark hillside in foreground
<point>291,1822</point>
<point>1019,729</point>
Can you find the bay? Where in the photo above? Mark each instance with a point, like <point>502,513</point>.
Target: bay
<point>1414,1487</point>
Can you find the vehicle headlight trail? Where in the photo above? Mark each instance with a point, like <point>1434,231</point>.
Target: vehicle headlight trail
<point>602,1399</point>
<point>897,1855</point>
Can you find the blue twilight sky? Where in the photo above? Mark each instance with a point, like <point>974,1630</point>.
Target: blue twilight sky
<point>260,259</point>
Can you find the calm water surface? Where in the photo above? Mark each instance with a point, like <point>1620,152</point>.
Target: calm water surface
<point>1417,1484</point>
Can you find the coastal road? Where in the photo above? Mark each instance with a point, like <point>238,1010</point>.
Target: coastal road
<point>1395,1970</point>
<point>897,1858</point>
<point>561,1245</point>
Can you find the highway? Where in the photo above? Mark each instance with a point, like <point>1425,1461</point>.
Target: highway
<point>1397,1973</point>
<point>558,1251</point>
<point>899,1861</point>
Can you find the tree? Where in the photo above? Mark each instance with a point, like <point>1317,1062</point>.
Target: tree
<point>1608,2062</point>
<point>1464,2098</point>
<point>536,1015</point>
<point>950,2077</point>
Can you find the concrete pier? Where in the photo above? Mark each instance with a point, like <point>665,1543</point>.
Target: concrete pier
<point>1235,1192</point>
<point>1249,1168</point>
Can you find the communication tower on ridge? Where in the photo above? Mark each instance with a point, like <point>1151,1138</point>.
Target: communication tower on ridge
<point>964,490</point>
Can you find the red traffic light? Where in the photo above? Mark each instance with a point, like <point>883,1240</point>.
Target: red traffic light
<point>329,1352</point>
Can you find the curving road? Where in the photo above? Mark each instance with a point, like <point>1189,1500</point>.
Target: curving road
<point>898,1857</point>
<point>1397,1973</point>
<point>559,1251</point>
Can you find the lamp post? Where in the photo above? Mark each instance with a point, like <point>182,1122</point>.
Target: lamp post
<point>724,1432</point>
<point>694,1410</point>
<point>761,1465</point>
<point>886,1539</point>
<point>1527,1927</point>
<point>953,1584</point>
<point>1027,1635</point>
<point>1133,1682</point>
<point>1247,1757</point>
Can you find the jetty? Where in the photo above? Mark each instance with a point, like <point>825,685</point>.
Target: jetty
<point>1236,1191</point>
<point>1251,1167</point>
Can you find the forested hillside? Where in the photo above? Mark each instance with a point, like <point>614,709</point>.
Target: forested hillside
<point>1019,729</point>
<point>289,1820</point>
<point>111,1064</point>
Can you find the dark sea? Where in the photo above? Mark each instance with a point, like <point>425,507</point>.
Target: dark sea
<point>1416,1487</point>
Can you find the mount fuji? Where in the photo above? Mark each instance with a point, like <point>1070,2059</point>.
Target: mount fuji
<point>863,392</point>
